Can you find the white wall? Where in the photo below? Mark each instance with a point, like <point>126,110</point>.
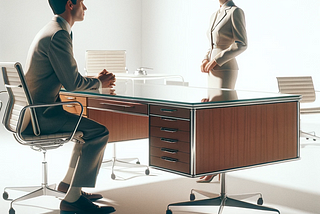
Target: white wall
<point>170,36</point>
<point>283,39</point>
<point>108,25</point>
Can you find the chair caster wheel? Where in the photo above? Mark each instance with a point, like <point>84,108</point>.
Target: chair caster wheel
<point>147,172</point>
<point>169,212</point>
<point>12,211</point>
<point>5,195</point>
<point>260,201</point>
<point>113,176</point>
<point>138,162</point>
<point>192,197</point>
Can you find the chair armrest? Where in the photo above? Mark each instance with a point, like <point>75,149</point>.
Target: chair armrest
<point>22,113</point>
<point>1,100</point>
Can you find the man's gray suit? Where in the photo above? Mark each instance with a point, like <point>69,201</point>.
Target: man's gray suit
<point>50,65</point>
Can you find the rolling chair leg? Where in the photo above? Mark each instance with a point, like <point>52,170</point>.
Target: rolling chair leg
<point>223,200</point>
<point>34,191</point>
<point>123,162</point>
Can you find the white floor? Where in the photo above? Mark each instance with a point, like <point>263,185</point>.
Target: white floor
<point>292,187</point>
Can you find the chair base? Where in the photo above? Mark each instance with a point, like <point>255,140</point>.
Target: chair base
<point>124,163</point>
<point>309,136</point>
<point>34,191</point>
<point>223,200</point>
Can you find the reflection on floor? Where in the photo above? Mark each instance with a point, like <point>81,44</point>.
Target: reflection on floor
<point>291,187</point>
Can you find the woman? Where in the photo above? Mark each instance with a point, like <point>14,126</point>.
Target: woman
<point>228,38</point>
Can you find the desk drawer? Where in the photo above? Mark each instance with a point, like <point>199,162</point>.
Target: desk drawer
<point>122,106</point>
<point>170,143</point>
<point>66,98</point>
<point>170,111</point>
<point>182,125</point>
<point>170,164</point>
<point>164,132</point>
<point>171,155</point>
<point>75,109</point>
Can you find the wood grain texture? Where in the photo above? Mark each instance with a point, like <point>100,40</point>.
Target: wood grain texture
<point>233,137</point>
<point>121,126</point>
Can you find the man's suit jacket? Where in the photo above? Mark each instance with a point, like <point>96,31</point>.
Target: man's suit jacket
<point>227,35</point>
<point>50,65</point>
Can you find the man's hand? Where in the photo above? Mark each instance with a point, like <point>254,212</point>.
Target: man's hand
<point>203,65</point>
<point>107,79</point>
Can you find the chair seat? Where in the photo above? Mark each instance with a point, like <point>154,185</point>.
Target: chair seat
<point>53,137</point>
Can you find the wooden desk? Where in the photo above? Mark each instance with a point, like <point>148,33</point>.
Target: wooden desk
<point>233,130</point>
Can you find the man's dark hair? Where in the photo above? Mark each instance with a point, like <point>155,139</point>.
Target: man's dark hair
<point>59,6</point>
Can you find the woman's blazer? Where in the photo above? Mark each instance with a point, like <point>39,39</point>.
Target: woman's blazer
<point>227,35</point>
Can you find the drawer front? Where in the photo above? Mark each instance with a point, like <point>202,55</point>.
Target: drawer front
<point>170,111</point>
<point>75,109</point>
<point>171,133</point>
<point>182,125</point>
<point>170,164</point>
<point>66,98</point>
<point>170,143</point>
<point>171,155</point>
<point>130,107</point>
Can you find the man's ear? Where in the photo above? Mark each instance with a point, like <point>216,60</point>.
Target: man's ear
<point>69,5</point>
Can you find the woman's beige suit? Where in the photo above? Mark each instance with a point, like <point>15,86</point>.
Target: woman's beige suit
<point>228,38</point>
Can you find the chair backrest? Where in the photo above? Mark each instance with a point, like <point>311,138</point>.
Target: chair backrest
<point>19,97</point>
<point>302,85</point>
<point>112,60</point>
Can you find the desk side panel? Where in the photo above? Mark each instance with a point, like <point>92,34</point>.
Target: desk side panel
<point>243,136</point>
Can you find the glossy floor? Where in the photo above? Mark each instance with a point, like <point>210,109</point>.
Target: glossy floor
<point>292,187</point>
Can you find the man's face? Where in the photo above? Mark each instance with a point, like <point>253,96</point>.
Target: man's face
<point>78,10</point>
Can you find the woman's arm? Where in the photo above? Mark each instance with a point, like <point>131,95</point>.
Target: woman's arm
<point>240,38</point>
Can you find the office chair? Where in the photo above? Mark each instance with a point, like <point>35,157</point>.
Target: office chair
<point>222,200</point>
<point>19,112</point>
<point>113,61</point>
<point>303,86</point>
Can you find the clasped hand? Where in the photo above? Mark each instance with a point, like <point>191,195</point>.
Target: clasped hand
<point>207,66</point>
<point>107,79</point>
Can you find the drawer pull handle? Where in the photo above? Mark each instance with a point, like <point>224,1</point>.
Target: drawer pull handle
<point>167,140</point>
<point>166,119</point>
<point>70,98</point>
<point>168,130</point>
<point>170,151</point>
<point>173,160</point>
<point>168,110</point>
<point>70,106</point>
<point>118,105</point>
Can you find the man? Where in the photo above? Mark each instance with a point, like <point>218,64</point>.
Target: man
<point>51,65</point>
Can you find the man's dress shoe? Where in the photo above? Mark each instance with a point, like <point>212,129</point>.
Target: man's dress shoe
<point>84,206</point>
<point>63,187</point>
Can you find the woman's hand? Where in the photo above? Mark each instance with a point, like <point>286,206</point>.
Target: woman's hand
<point>209,66</point>
<point>203,65</point>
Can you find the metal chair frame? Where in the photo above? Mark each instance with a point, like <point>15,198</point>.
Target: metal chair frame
<point>37,142</point>
<point>302,85</point>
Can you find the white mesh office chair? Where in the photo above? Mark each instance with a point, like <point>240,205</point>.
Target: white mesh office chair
<point>19,112</point>
<point>302,85</point>
<point>112,60</point>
